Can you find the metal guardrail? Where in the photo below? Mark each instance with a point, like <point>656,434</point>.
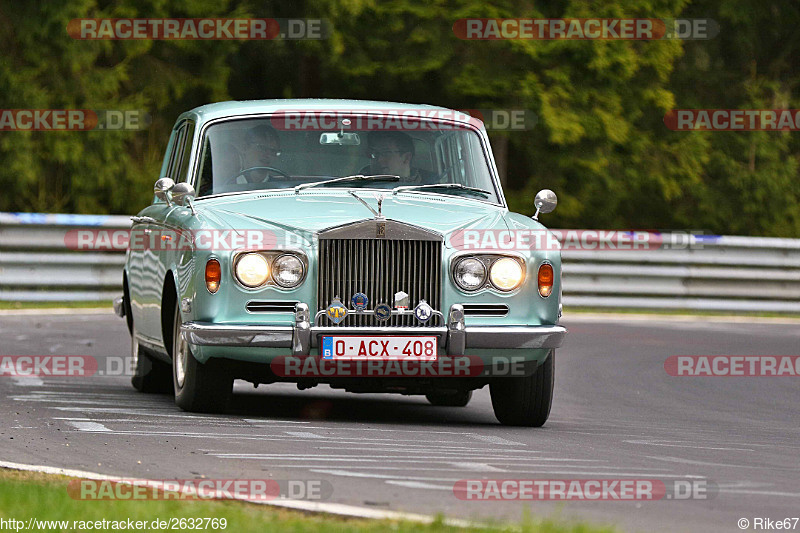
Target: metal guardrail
<point>713,273</point>
<point>721,273</point>
<point>36,266</point>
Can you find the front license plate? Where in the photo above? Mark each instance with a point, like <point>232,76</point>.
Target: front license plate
<point>356,347</point>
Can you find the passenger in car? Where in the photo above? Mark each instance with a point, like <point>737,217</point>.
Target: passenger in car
<point>392,152</point>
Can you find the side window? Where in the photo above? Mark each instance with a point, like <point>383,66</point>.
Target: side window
<point>169,155</point>
<point>173,148</point>
<point>205,179</point>
<point>186,152</point>
<point>177,152</point>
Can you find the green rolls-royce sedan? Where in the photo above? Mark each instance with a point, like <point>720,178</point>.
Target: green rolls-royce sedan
<point>363,245</point>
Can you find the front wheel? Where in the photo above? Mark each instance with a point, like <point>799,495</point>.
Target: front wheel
<point>525,401</point>
<point>200,388</point>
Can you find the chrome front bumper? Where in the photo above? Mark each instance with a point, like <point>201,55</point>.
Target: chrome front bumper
<point>455,337</point>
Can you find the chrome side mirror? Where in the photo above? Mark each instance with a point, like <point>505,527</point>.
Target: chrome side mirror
<point>545,202</point>
<point>162,189</point>
<point>183,194</point>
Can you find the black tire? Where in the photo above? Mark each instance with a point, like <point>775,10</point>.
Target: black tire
<point>525,401</point>
<point>450,399</point>
<point>150,375</point>
<point>204,388</point>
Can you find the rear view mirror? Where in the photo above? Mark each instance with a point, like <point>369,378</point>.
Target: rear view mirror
<point>340,138</point>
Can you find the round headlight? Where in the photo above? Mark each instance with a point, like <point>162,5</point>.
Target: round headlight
<point>470,274</point>
<point>506,274</point>
<point>288,271</point>
<point>252,270</point>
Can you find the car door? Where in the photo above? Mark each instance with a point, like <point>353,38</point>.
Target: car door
<point>157,236</point>
<point>140,282</point>
<point>174,253</point>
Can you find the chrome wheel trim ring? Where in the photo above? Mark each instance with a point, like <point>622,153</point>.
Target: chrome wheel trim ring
<point>134,349</point>
<point>181,353</point>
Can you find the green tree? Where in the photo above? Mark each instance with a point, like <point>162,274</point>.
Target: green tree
<point>749,180</point>
<point>42,67</point>
<point>600,141</point>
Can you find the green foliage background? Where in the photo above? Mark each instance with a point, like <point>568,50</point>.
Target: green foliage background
<point>600,141</point>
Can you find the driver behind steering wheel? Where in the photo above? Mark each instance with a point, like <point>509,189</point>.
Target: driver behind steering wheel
<point>262,148</point>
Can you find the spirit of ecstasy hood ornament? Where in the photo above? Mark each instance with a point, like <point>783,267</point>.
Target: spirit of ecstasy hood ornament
<point>379,197</point>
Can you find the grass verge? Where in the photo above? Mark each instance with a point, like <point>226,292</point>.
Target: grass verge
<point>26,495</point>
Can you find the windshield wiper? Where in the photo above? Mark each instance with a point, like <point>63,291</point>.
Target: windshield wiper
<point>356,178</point>
<point>440,186</point>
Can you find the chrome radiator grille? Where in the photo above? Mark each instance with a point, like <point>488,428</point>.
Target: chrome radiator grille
<point>380,268</point>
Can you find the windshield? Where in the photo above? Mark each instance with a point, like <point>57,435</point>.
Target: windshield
<point>254,154</point>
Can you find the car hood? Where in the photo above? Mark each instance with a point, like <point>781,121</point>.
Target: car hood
<point>314,211</point>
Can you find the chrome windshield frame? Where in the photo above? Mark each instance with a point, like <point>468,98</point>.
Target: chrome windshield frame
<point>483,137</point>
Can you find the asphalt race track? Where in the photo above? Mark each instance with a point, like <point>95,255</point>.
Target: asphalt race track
<point>616,415</point>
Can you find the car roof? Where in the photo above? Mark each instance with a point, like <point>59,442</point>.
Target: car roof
<point>235,108</point>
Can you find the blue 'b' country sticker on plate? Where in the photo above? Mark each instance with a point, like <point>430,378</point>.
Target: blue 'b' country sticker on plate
<point>327,347</point>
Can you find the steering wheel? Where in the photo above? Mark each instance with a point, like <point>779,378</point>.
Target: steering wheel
<point>266,176</point>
